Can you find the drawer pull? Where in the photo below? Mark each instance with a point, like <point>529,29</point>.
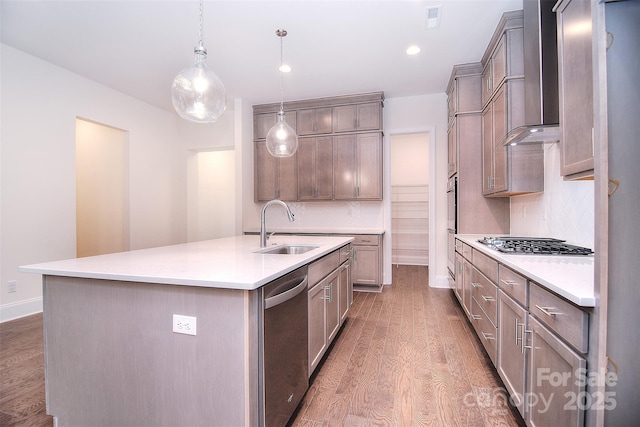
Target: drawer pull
<point>476,317</point>
<point>475,285</point>
<point>548,311</point>
<point>487,336</point>
<point>516,330</point>
<point>509,282</point>
<point>488,298</point>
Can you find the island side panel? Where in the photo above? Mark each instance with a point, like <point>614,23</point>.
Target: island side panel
<point>112,358</point>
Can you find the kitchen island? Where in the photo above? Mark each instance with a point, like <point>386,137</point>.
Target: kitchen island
<point>112,356</point>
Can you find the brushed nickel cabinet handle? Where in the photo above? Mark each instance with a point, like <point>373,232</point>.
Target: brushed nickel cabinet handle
<point>475,285</point>
<point>476,317</point>
<point>488,298</point>
<point>509,282</point>
<point>548,311</point>
<point>487,336</point>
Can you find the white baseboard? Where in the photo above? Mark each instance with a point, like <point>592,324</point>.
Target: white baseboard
<point>441,282</point>
<point>20,309</point>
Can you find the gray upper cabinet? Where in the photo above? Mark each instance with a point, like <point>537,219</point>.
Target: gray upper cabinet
<point>264,121</point>
<point>357,165</point>
<point>309,174</point>
<point>358,117</point>
<point>314,121</point>
<point>507,171</point>
<point>576,89</point>
<point>275,178</point>
<point>315,168</point>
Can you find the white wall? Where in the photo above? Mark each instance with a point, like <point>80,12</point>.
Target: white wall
<point>40,104</point>
<point>564,211</point>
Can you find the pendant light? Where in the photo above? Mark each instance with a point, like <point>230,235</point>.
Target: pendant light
<point>282,140</point>
<point>197,93</point>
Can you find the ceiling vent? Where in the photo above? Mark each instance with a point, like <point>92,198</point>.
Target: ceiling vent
<point>432,17</point>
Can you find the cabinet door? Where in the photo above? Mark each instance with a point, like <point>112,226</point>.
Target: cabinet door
<point>499,180</point>
<point>487,83</point>
<point>265,173</point>
<point>314,121</point>
<point>553,376</point>
<point>453,147</point>
<point>487,150</point>
<point>349,118</point>
<point>265,121</point>
<point>576,87</point>
<point>366,265</point>
<point>467,275</point>
<point>512,362</point>
<point>369,166</point>
<point>315,168</point>
<point>459,289</point>
<point>346,290</point>
<point>345,118</point>
<point>317,325</point>
<point>499,63</point>
<point>368,116</point>
<point>344,166</point>
<point>287,178</point>
<point>332,306</point>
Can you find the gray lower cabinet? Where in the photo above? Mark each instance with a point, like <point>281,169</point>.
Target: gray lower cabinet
<point>366,272</point>
<point>328,302</point>
<point>554,380</point>
<point>512,358</point>
<point>537,340</point>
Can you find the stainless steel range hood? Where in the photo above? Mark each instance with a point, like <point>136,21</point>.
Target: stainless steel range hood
<point>540,76</point>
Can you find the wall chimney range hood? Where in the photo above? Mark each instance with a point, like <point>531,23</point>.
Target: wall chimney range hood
<point>540,76</point>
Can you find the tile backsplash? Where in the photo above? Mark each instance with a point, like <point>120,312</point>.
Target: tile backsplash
<point>564,211</point>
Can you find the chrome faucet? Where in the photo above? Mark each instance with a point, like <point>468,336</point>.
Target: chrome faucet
<point>263,228</point>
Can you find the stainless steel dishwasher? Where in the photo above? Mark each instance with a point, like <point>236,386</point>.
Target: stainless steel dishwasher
<point>285,344</point>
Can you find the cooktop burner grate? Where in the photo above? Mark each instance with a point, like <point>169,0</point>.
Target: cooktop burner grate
<point>534,246</point>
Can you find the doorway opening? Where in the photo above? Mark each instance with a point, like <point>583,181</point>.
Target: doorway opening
<point>102,189</point>
<point>409,179</point>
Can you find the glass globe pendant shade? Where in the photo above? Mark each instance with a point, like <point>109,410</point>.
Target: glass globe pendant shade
<point>282,140</point>
<point>197,93</point>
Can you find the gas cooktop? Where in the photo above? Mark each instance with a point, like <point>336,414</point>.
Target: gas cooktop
<point>533,246</point>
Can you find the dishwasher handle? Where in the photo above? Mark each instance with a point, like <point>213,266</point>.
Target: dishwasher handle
<point>297,286</point>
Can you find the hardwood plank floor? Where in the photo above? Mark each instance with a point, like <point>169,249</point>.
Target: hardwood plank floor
<point>405,357</point>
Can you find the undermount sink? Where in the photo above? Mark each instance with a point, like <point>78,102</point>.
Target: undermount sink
<point>288,249</point>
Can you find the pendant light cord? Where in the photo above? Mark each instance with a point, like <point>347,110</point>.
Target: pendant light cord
<point>281,77</point>
<point>201,23</point>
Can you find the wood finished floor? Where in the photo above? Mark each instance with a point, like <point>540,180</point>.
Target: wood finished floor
<point>405,357</point>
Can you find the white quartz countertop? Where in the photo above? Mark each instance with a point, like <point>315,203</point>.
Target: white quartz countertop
<point>570,276</point>
<point>230,262</point>
<point>323,231</point>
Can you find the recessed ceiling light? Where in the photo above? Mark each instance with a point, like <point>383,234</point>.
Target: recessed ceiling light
<point>413,50</point>
<point>284,68</point>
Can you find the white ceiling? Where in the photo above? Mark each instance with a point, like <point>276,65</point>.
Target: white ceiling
<point>334,47</point>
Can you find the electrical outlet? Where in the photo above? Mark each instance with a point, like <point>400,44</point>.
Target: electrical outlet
<point>184,324</point>
<point>12,286</point>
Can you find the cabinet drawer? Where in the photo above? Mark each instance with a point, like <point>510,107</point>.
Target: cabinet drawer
<point>564,318</point>
<point>366,239</point>
<point>485,329</point>
<point>513,284</point>
<point>322,267</point>
<point>345,253</point>
<point>486,295</point>
<point>467,251</point>
<point>486,265</point>
<point>459,246</point>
